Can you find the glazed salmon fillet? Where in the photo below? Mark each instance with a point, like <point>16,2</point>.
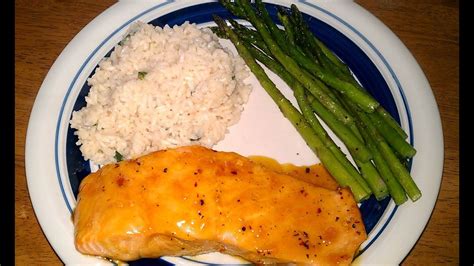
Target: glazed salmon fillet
<point>193,200</point>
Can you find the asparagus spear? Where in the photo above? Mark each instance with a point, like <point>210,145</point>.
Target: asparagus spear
<point>217,31</point>
<point>254,38</point>
<point>337,65</point>
<point>272,27</point>
<point>367,169</point>
<point>392,137</point>
<point>393,186</point>
<point>365,101</point>
<point>373,178</point>
<point>233,8</point>
<point>315,86</point>
<point>389,120</point>
<point>291,65</point>
<point>249,35</point>
<point>353,143</point>
<point>322,134</point>
<point>395,189</point>
<point>342,131</point>
<point>298,19</point>
<point>373,182</point>
<point>342,115</point>
<point>307,40</point>
<point>398,169</point>
<point>385,124</point>
<point>295,117</point>
<point>382,151</point>
<point>289,30</point>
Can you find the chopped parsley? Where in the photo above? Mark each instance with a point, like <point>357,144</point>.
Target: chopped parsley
<point>142,74</point>
<point>118,157</point>
<point>124,39</point>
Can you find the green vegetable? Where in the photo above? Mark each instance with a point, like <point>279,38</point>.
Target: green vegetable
<point>217,31</point>
<point>385,126</point>
<point>289,30</point>
<point>142,74</point>
<point>396,141</point>
<point>249,35</point>
<point>308,114</point>
<point>118,157</point>
<point>315,44</point>
<point>398,169</point>
<point>296,118</point>
<point>291,66</point>
<point>267,21</point>
<point>373,179</point>
<point>373,182</point>
<point>232,8</point>
<point>395,189</point>
<point>127,37</point>
<point>333,64</point>
<point>322,134</point>
<point>389,120</point>
<point>278,46</point>
<point>324,86</point>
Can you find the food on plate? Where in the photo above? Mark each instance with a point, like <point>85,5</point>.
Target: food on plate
<point>313,174</point>
<point>171,93</point>
<point>193,200</point>
<point>160,88</point>
<point>326,90</point>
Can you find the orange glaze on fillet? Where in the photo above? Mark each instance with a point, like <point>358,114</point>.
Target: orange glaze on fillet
<point>194,200</point>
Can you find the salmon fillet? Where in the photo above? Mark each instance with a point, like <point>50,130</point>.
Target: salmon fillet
<point>193,200</point>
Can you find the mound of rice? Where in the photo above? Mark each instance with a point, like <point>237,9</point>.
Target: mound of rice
<point>161,88</point>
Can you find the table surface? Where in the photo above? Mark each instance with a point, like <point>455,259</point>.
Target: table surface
<point>429,28</point>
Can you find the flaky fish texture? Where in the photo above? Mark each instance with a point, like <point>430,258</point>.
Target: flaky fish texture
<point>193,200</point>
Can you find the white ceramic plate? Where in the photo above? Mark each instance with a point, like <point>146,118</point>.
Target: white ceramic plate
<point>377,57</point>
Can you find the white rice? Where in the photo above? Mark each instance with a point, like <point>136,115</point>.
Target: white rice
<point>193,91</point>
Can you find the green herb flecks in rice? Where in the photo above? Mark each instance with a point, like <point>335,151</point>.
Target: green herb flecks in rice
<point>141,75</point>
<point>118,157</point>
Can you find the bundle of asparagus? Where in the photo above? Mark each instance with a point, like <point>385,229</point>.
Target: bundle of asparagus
<point>324,89</point>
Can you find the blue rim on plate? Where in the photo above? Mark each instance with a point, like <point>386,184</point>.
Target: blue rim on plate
<point>361,65</point>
